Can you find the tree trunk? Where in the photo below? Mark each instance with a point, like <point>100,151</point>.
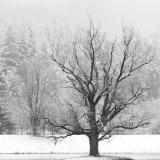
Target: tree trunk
<point>34,131</point>
<point>93,136</point>
<point>93,142</point>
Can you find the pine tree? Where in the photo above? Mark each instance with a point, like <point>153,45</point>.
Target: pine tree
<point>6,126</point>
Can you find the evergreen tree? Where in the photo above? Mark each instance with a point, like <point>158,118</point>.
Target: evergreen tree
<point>6,126</point>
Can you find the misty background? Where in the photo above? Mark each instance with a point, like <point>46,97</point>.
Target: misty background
<point>109,14</point>
<point>26,28</point>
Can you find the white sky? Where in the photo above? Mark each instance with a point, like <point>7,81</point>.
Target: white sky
<point>109,14</point>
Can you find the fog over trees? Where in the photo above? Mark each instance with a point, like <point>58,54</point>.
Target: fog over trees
<point>57,82</point>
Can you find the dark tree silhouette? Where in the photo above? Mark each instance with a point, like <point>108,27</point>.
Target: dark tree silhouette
<point>102,74</point>
<point>6,126</point>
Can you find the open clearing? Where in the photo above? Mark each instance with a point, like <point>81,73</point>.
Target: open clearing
<point>139,147</point>
<point>79,144</point>
<point>55,157</point>
<point>77,157</point>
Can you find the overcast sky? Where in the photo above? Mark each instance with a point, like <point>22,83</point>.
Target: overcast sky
<point>109,14</point>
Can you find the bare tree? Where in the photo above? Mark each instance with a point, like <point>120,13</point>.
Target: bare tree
<point>103,75</point>
<point>33,98</point>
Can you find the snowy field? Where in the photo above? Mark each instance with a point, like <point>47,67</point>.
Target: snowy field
<point>79,144</point>
<point>146,147</point>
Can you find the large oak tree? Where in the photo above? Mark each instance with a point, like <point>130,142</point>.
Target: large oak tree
<point>103,76</point>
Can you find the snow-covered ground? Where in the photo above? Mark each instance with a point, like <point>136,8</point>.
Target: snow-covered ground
<point>58,157</point>
<point>79,144</point>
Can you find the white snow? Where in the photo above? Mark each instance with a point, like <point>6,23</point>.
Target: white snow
<point>24,144</point>
<point>79,144</point>
<point>58,157</point>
